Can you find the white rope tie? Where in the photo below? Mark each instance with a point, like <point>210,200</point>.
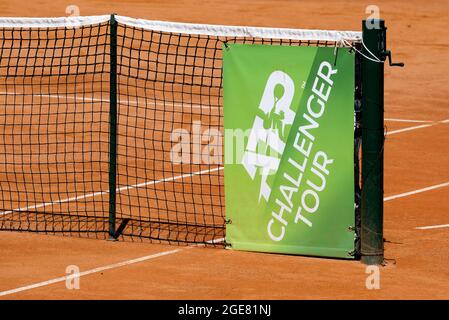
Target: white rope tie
<point>373,58</point>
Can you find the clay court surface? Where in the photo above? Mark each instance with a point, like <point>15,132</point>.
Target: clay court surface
<point>416,161</point>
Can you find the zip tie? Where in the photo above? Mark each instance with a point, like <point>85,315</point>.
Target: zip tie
<point>339,44</point>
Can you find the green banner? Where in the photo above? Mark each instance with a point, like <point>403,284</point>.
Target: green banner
<point>289,157</point>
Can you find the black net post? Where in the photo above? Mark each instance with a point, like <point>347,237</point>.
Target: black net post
<point>113,128</point>
<point>372,243</point>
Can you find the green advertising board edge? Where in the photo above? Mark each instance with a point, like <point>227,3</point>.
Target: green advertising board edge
<point>236,240</point>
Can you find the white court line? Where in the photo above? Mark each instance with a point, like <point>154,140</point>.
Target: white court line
<point>120,101</point>
<point>156,255</point>
<point>409,129</point>
<point>407,120</point>
<point>417,127</point>
<point>433,227</point>
<point>406,194</point>
<point>87,272</point>
<point>428,124</point>
<point>197,106</point>
<point>94,194</point>
<point>424,189</point>
<point>100,269</point>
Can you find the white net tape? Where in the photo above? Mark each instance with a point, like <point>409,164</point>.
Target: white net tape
<point>62,22</point>
<point>235,31</point>
<point>186,28</point>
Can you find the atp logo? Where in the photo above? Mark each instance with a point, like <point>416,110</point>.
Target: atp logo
<point>268,134</point>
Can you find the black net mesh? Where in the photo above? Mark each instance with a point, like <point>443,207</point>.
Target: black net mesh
<point>54,129</point>
<point>54,132</point>
<point>170,99</point>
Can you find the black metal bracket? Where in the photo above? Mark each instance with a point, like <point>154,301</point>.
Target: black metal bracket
<point>119,231</point>
<point>387,55</point>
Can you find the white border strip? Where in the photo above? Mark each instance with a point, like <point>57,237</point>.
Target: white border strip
<point>68,22</point>
<point>240,31</point>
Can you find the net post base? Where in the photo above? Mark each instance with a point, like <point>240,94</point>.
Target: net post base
<point>372,260</point>
<point>110,238</point>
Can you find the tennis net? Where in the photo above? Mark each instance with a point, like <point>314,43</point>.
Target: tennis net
<point>91,111</point>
